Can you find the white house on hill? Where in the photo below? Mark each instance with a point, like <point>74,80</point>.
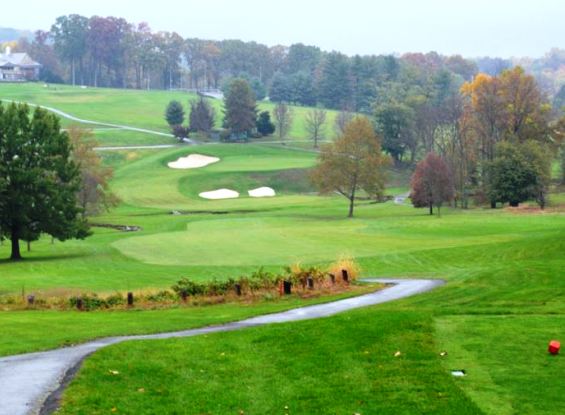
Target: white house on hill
<point>18,67</point>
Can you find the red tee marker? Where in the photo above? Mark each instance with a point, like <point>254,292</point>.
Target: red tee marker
<point>554,347</point>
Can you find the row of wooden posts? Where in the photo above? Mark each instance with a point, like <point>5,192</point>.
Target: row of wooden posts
<point>285,288</point>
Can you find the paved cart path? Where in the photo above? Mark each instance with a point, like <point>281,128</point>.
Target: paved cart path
<point>90,122</point>
<point>28,380</point>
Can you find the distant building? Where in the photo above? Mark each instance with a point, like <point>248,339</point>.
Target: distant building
<point>18,67</point>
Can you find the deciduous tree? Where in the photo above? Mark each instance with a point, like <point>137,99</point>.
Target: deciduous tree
<point>38,179</point>
<point>283,120</point>
<point>519,172</point>
<point>431,183</point>
<point>94,195</point>
<point>315,124</point>
<point>353,162</point>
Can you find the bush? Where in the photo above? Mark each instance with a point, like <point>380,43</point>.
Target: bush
<point>188,287</point>
<point>345,263</point>
<point>161,297</point>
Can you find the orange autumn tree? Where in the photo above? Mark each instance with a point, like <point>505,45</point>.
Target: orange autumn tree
<point>508,107</point>
<point>352,163</point>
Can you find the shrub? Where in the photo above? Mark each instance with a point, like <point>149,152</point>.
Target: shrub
<point>347,263</point>
<point>189,287</point>
<point>161,297</point>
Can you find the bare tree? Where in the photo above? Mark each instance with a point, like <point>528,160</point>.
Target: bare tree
<point>315,124</point>
<point>341,121</point>
<point>283,120</point>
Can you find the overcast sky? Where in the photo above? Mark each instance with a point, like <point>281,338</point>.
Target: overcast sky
<point>472,28</point>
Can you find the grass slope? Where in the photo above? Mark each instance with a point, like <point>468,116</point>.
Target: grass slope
<point>143,109</point>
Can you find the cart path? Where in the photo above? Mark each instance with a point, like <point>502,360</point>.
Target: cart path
<point>90,122</point>
<point>28,380</point>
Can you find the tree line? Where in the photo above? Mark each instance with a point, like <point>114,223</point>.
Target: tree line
<point>112,52</point>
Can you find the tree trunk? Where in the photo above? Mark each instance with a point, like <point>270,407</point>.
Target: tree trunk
<point>431,209</point>
<point>351,206</point>
<point>493,204</point>
<point>73,70</point>
<point>16,255</point>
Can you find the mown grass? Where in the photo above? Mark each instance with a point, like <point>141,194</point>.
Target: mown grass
<point>503,301</point>
<point>340,365</point>
<point>29,331</point>
<point>144,109</point>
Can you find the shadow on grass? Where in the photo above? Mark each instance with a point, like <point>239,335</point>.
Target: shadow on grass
<point>42,258</point>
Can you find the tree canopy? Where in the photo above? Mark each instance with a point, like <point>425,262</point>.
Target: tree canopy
<point>240,108</point>
<point>353,162</point>
<point>431,183</point>
<point>38,179</point>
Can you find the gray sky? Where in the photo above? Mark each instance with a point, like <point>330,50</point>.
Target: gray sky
<point>472,28</point>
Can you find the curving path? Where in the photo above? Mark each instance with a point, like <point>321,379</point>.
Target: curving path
<point>90,122</point>
<point>27,381</point>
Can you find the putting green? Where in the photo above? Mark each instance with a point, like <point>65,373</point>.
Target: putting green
<point>277,241</point>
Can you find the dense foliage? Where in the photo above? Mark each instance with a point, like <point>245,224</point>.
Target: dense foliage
<point>38,179</point>
<point>240,109</point>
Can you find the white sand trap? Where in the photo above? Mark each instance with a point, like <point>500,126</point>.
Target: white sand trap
<point>262,192</point>
<point>220,194</point>
<point>193,161</point>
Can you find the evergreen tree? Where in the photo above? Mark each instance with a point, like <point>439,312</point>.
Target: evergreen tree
<point>334,88</point>
<point>303,91</point>
<point>38,180</point>
<point>201,116</point>
<point>264,124</point>
<point>281,88</point>
<point>174,114</point>
<point>240,108</point>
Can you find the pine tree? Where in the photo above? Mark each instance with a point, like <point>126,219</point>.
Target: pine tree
<point>240,108</point>
<point>264,124</point>
<point>174,114</point>
<point>201,116</point>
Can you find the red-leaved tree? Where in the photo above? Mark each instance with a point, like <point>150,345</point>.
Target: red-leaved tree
<point>432,184</point>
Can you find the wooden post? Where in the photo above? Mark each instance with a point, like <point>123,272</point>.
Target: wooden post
<point>310,283</point>
<point>130,299</point>
<point>287,287</point>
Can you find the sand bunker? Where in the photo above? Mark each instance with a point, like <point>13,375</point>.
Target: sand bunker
<point>220,194</point>
<point>262,192</point>
<point>193,161</point>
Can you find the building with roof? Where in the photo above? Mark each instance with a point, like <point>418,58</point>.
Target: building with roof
<point>18,67</point>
